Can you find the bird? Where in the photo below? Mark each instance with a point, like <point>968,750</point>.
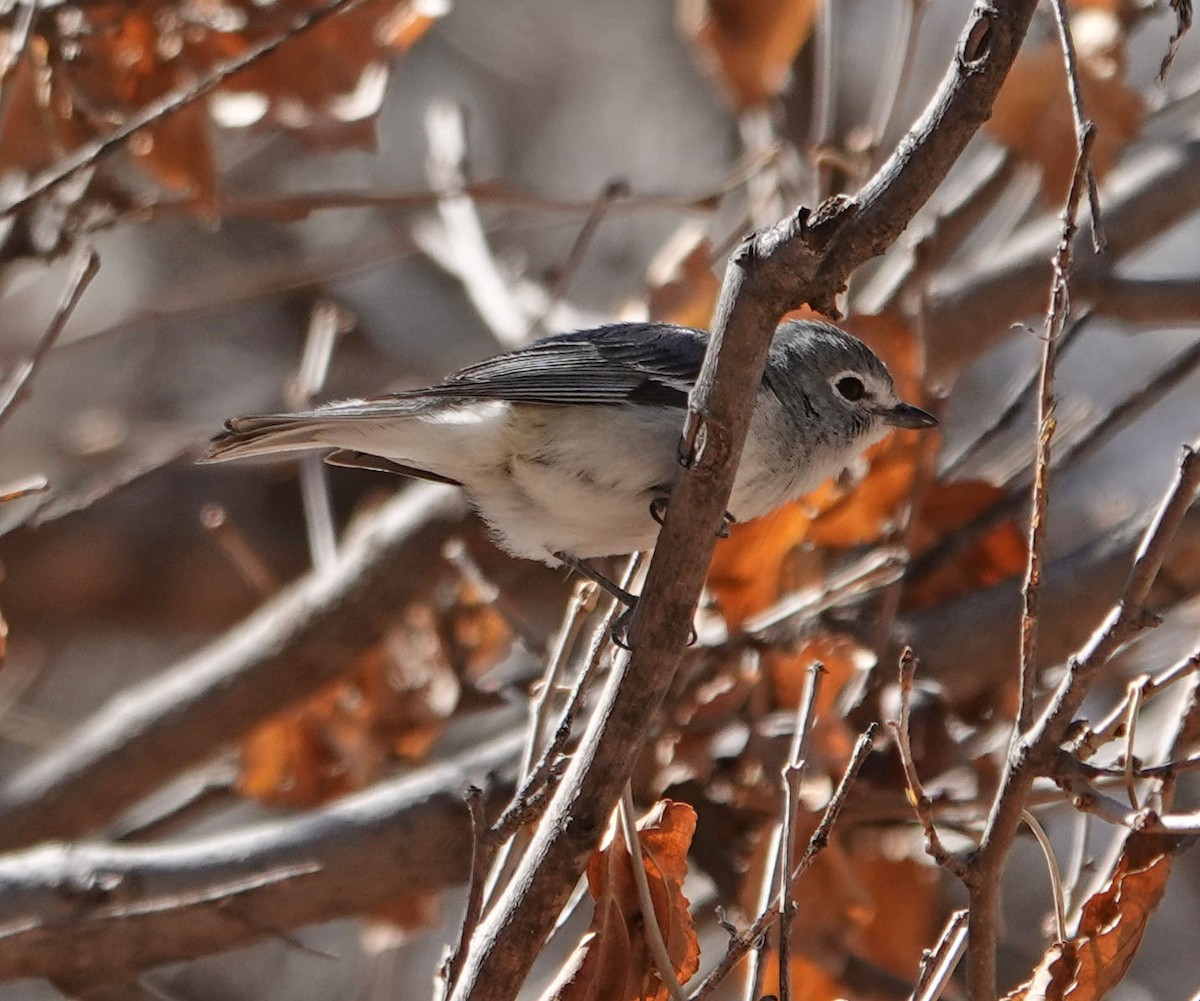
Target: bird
<point>568,446</point>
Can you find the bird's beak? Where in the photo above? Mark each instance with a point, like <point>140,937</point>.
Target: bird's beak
<point>904,415</point>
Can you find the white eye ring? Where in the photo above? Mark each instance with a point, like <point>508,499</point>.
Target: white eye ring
<point>849,386</point>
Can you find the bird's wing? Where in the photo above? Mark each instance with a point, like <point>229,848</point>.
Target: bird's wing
<point>624,362</point>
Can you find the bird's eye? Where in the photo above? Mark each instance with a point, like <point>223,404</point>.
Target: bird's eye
<point>851,387</point>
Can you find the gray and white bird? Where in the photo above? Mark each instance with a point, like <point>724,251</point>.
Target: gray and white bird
<point>568,447</point>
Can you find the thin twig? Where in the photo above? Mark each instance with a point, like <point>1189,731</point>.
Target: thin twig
<point>15,387</point>
<point>601,207</point>
<point>776,882</point>
<point>650,925</point>
<point>1056,314</point>
<point>1131,719</point>
<point>793,775</point>
<point>1083,125</point>
<point>1109,728</point>
<point>538,762</point>
<point>1056,882</point>
<point>938,964</point>
<point>1017,400</point>
<point>234,547</point>
<point>916,793</point>
<point>984,881</point>
<point>483,850</point>
<point>1183,22</point>
<point>1038,749</point>
<point>26,487</point>
<point>744,941</point>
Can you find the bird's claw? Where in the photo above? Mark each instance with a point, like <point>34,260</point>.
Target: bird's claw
<point>658,511</point>
<point>623,624</point>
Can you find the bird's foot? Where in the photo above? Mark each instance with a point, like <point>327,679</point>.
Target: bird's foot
<point>658,511</point>
<point>626,598</point>
<point>623,623</point>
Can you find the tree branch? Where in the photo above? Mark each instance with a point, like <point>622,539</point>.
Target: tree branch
<point>289,647</point>
<point>87,914</point>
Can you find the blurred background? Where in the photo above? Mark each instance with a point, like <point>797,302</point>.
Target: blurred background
<point>449,178</point>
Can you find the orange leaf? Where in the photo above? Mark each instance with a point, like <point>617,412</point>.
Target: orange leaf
<point>788,671</point>
<point>748,45</point>
<point>612,961</point>
<point>995,556</point>
<point>867,511</point>
<point>688,292</point>
<point>747,568</point>
<point>1110,927</point>
<point>897,347</point>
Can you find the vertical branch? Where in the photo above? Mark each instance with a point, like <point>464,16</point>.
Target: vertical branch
<point>824,98</point>
<point>654,936</point>
<point>1056,315</point>
<point>777,879</point>
<point>984,884</point>
<point>326,323</point>
<point>1083,125</point>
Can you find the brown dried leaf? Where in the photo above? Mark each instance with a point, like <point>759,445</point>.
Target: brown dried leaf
<point>848,902</point>
<point>28,141</point>
<point>114,59</point>
<point>393,705</point>
<point>748,45</point>
<point>612,961</point>
<point>178,152</point>
<point>1110,927</point>
<point>1032,115</point>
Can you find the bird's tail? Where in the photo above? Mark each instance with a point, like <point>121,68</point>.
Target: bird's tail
<point>265,434</point>
<point>413,435</point>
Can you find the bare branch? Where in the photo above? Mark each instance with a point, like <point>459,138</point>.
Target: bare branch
<point>94,913</point>
<point>1056,315</point>
<point>916,793</point>
<point>15,387</point>
<point>1036,752</point>
<point>744,942</point>
<point>295,643</point>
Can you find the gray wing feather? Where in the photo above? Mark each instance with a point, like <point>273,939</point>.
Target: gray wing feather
<point>622,363</point>
<point>625,362</point>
